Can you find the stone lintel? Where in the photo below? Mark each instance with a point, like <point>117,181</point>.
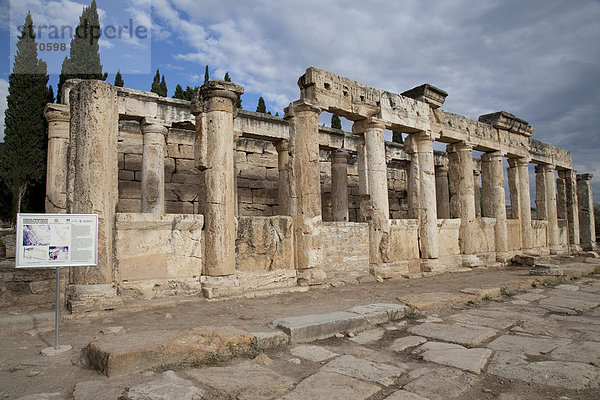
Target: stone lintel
<point>585,177</point>
<point>427,93</point>
<point>507,121</point>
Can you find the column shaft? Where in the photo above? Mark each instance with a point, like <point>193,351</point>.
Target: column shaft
<point>587,226</point>
<point>551,209</point>
<point>571,207</point>
<point>153,167</point>
<point>477,193</point>
<point>442,192</point>
<point>494,202</point>
<point>540,193</point>
<point>284,190</point>
<point>339,185</point>
<point>525,204</point>
<point>462,202</point>
<point>57,116</point>
<point>512,174</point>
<point>363,179</point>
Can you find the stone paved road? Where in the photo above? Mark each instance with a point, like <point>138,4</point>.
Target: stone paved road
<point>538,344</point>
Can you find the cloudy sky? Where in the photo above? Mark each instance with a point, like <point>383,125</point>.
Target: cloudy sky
<point>538,59</point>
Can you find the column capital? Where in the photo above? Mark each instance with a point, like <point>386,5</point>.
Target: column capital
<point>585,177</point>
<point>547,167</point>
<point>299,106</point>
<point>492,155</point>
<point>518,162</point>
<point>339,156</point>
<point>57,112</point>
<point>215,89</point>
<point>459,146</point>
<point>282,145</point>
<point>360,127</point>
<point>153,126</point>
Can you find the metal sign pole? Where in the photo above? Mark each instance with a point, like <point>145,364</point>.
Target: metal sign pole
<point>57,316</point>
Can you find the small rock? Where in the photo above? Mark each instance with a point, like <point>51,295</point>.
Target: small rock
<point>33,373</point>
<point>263,359</point>
<point>107,321</point>
<point>111,330</point>
<point>339,335</point>
<point>379,279</point>
<point>148,373</point>
<point>295,361</point>
<point>351,334</point>
<point>168,316</point>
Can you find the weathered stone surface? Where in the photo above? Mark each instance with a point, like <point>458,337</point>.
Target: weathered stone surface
<point>329,385</point>
<point>168,387</point>
<point>404,343</point>
<point>245,380</point>
<point>271,340</point>
<point>453,355</point>
<point>359,368</point>
<point>480,319</point>
<point>43,396</point>
<point>570,303</point>
<point>460,334</point>
<point>369,336</point>
<point>264,243</point>
<point>546,270</point>
<point>586,352</point>
<point>149,349</point>
<point>307,328</point>
<point>380,313</point>
<point>442,383</point>
<point>527,344</point>
<point>313,353</point>
<point>404,395</point>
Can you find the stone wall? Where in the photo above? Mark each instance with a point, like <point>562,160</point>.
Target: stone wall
<point>158,254</point>
<point>540,235</point>
<point>513,227</point>
<point>484,238</point>
<point>264,244</point>
<point>404,246</point>
<point>345,249</point>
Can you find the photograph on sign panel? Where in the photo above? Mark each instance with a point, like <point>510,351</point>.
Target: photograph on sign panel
<point>59,253</point>
<point>35,253</point>
<point>36,235</point>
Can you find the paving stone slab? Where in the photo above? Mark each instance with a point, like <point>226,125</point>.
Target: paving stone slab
<point>381,312</point>
<point>370,336</point>
<point>404,343</point>
<point>43,396</point>
<point>454,355</point>
<point>585,352</point>
<point>480,319</point>
<point>151,349</point>
<point>384,374</point>
<point>572,288</point>
<point>578,319</point>
<point>246,380</point>
<point>307,328</point>
<point>331,386</point>
<point>433,299</point>
<point>569,303</point>
<point>543,327</point>
<point>526,344</point>
<point>529,296</point>
<point>404,395</point>
<point>313,353</point>
<point>168,387</point>
<point>441,383</point>
<point>460,334</point>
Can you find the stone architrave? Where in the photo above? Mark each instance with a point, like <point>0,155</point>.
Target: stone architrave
<point>284,190</point>
<point>442,191</point>
<point>339,185</point>
<point>214,110</point>
<point>494,202</point>
<point>305,178</point>
<point>92,184</point>
<point>379,225</point>
<point>551,209</point>
<point>541,192</point>
<point>421,145</point>
<point>57,116</point>
<point>571,207</point>
<point>462,200</point>
<point>587,227</point>
<point>153,166</point>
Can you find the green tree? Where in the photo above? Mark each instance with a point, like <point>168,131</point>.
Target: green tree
<point>119,79</point>
<point>397,137</point>
<point>227,78</point>
<point>84,58</point>
<point>23,159</point>
<point>51,98</point>
<point>189,92</point>
<point>155,88</point>
<point>336,123</point>
<point>179,93</point>
<point>261,107</point>
<point>238,102</point>
<point>163,87</point>
<point>206,77</point>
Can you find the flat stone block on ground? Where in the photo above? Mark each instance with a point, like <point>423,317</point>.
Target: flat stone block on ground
<point>480,319</point>
<point>405,395</point>
<point>586,352</point>
<point>380,313</point>
<point>465,335</point>
<point>369,336</point>
<point>331,386</point>
<point>359,368</point>
<point>454,355</point>
<point>168,387</point>
<point>441,383</point>
<point>527,344</point>
<point>404,343</point>
<point>307,328</point>
<point>313,353</point>
<point>577,305</point>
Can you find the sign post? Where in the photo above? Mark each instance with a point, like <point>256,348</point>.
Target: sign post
<point>55,241</point>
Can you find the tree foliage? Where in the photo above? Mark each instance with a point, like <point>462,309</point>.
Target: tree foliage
<point>336,123</point>
<point>226,78</point>
<point>23,156</point>
<point>84,57</point>
<point>206,76</point>
<point>261,107</point>
<point>184,94</point>
<point>119,79</point>
<point>397,137</point>
<point>159,86</point>
<point>163,87</point>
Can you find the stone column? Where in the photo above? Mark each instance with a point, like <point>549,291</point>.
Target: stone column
<point>442,192</point>
<point>571,207</point>
<point>414,180</point>
<point>214,110</point>
<point>153,166</point>
<point>540,193</point>
<point>92,187</point>
<point>421,145</point>
<point>525,204</point>
<point>551,209</point>
<point>512,174</point>
<point>587,228</point>
<point>306,194</point>
<point>462,200</point>
<point>339,185</point>
<point>477,192</point>
<point>283,190</point>
<point>494,202</point>
<point>561,197</point>
<point>363,179</point>
<point>379,226</point>
<point>57,116</point>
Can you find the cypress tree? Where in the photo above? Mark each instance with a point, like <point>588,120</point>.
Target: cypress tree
<point>163,87</point>
<point>84,59</point>
<point>238,102</point>
<point>189,92</point>
<point>119,79</point>
<point>261,107</point>
<point>23,159</point>
<point>179,93</point>
<point>206,77</point>
<point>336,123</point>
<point>51,98</point>
<point>227,78</point>
<point>156,83</point>
<point>397,137</point>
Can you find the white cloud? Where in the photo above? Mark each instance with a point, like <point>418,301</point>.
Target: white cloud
<point>3,94</point>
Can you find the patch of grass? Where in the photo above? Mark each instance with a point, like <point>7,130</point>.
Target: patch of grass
<point>472,303</point>
<point>534,285</point>
<point>411,313</point>
<point>504,291</point>
<point>487,297</point>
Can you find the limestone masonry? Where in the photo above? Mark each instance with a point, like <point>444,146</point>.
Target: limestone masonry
<point>203,198</point>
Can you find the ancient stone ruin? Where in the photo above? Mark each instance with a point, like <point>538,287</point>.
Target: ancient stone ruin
<point>203,198</point>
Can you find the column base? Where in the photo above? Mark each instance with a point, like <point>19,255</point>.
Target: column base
<point>85,298</point>
<point>575,248</point>
<point>503,257</point>
<point>311,277</point>
<point>471,261</point>
<point>392,270</point>
<point>555,250</point>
